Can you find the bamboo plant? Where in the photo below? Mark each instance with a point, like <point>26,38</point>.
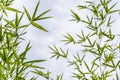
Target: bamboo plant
<point>99,54</point>
<point>14,64</point>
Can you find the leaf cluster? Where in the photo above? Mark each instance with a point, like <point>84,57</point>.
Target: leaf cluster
<point>14,64</point>
<point>99,44</point>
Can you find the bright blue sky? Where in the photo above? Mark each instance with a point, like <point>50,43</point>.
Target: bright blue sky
<point>56,26</point>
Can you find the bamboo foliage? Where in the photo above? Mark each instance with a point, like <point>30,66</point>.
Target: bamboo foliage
<point>100,42</point>
<point>14,64</point>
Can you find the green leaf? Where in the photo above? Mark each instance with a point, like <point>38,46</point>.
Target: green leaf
<point>55,51</point>
<point>89,41</point>
<point>16,19</point>
<point>11,34</point>
<point>28,15</point>
<point>10,23</point>
<point>33,78</point>
<point>42,18</point>
<point>24,26</point>
<point>45,75</point>
<point>59,77</point>
<point>117,77</point>
<point>82,7</point>
<point>0,32</point>
<point>118,63</point>
<point>35,11</point>
<point>87,66</point>
<point>33,66</point>
<point>58,52</point>
<point>38,26</point>
<point>42,14</point>
<point>108,65</point>
<point>113,11</point>
<point>34,61</point>
<point>13,9</point>
<point>110,9</point>
<point>5,55</point>
<point>23,54</point>
<point>69,39</point>
<point>75,16</point>
<point>20,18</point>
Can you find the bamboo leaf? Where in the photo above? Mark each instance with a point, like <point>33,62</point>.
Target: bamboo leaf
<point>82,7</point>
<point>34,61</point>
<point>117,77</point>
<point>42,14</point>
<point>10,23</point>
<point>28,15</point>
<point>34,66</point>
<point>35,11</point>
<point>108,65</point>
<point>69,39</point>
<point>20,18</point>
<point>12,9</point>
<point>42,18</point>
<point>0,32</point>
<point>38,26</point>
<point>4,11</point>
<point>87,66</point>
<point>112,6</point>
<point>45,75</point>
<point>75,16</point>
<point>23,54</point>
<point>16,20</point>
<point>34,78</point>
<point>59,77</point>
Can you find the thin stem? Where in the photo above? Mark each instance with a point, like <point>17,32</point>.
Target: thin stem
<point>100,67</point>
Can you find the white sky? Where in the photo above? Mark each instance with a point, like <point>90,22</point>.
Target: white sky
<point>56,26</point>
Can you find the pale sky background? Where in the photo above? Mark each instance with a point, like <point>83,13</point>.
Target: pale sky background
<point>57,26</point>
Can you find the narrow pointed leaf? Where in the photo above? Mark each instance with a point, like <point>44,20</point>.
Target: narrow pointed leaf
<point>12,9</point>
<point>27,13</point>
<point>42,14</point>
<point>38,26</point>
<point>16,19</point>
<point>20,18</point>
<point>10,22</point>
<point>43,18</point>
<point>35,11</point>
<point>34,61</point>
<point>0,32</point>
